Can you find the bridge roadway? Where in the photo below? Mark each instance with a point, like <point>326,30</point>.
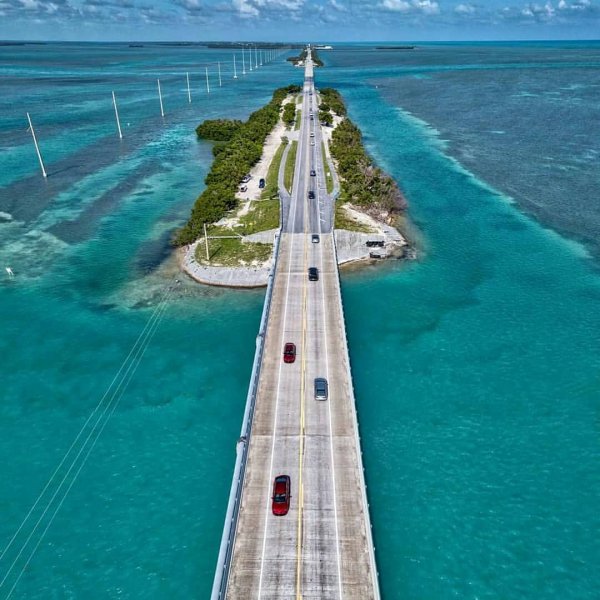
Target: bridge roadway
<point>322,549</point>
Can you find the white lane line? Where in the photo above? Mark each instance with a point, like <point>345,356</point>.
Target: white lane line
<point>329,400</point>
<point>283,332</point>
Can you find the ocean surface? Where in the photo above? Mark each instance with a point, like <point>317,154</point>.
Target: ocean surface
<point>477,368</point>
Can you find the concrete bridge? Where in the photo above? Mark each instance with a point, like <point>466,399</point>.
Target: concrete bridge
<point>322,548</point>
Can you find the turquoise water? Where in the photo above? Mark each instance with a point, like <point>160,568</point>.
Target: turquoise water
<point>476,368</point>
<point>477,375</point>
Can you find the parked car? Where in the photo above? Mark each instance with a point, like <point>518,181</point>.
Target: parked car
<point>321,389</point>
<point>313,274</point>
<point>281,495</point>
<point>243,188</point>
<point>311,195</point>
<point>289,353</point>
<point>261,183</point>
<point>315,238</point>
<point>246,178</point>
<point>313,173</point>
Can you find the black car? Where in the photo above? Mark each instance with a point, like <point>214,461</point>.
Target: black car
<point>313,274</point>
<point>311,195</point>
<point>313,173</point>
<point>261,183</point>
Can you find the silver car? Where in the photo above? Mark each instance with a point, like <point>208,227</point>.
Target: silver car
<point>321,389</point>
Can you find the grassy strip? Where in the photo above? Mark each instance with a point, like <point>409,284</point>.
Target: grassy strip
<point>327,170</point>
<point>298,119</point>
<point>240,148</point>
<point>232,252</point>
<point>290,166</point>
<point>271,189</point>
<point>263,216</point>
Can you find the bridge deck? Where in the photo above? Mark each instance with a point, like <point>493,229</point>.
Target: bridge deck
<point>322,549</point>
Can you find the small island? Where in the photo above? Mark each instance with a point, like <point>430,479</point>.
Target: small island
<point>228,239</point>
<point>298,61</point>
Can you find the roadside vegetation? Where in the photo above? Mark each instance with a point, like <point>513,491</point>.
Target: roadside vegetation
<point>362,182</point>
<point>239,147</point>
<point>271,189</point>
<point>289,114</point>
<point>331,101</point>
<point>290,166</point>
<point>298,119</point>
<point>327,170</point>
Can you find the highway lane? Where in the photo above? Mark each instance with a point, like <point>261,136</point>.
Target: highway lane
<point>320,549</point>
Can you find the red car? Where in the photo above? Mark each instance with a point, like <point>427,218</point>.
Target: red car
<point>281,495</point>
<point>289,353</point>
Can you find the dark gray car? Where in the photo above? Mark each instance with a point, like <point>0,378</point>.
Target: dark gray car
<point>321,389</point>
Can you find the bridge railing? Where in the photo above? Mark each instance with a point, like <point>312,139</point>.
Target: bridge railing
<point>221,580</point>
<point>368,525</point>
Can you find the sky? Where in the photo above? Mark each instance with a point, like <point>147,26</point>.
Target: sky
<point>298,20</point>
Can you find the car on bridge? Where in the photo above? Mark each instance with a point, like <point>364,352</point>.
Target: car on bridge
<point>313,173</point>
<point>289,353</point>
<point>313,274</point>
<point>315,238</point>
<point>281,495</point>
<point>311,195</point>
<point>321,389</point>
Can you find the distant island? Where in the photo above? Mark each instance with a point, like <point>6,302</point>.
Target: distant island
<point>269,45</point>
<point>395,47</point>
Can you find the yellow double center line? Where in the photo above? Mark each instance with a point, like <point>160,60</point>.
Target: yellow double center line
<point>302,396</point>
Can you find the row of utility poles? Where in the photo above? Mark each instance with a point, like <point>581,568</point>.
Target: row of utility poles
<point>261,56</point>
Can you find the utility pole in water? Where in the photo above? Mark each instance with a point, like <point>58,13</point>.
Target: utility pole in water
<point>117,116</point>
<point>37,148</point>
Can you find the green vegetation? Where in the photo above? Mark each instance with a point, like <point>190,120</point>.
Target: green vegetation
<point>232,252</point>
<point>271,189</point>
<point>328,175</point>
<point>241,147</point>
<point>298,119</point>
<point>289,114</point>
<point>331,100</point>
<point>263,216</point>
<point>325,117</point>
<point>218,130</point>
<point>343,221</point>
<point>363,183</point>
<point>290,166</point>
